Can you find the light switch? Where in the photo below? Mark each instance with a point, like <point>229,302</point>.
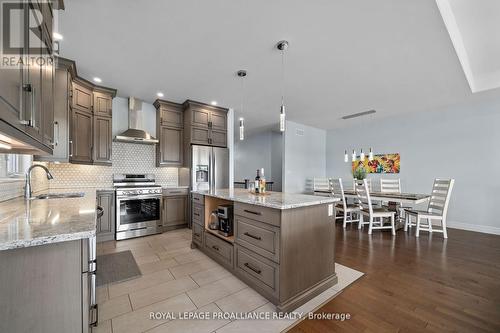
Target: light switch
<point>330,209</point>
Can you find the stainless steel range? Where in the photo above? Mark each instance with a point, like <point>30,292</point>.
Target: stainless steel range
<point>138,205</point>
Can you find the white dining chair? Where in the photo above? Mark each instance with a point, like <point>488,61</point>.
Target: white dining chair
<point>436,210</point>
<point>393,186</point>
<point>375,215</point>
<point>321,186</point>
<point>347,210</point>
<point>356,181</point>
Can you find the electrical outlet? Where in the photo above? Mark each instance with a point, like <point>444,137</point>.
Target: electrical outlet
<point>330,209</point>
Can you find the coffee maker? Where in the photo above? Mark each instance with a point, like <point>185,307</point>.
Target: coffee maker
<point>225,214</point>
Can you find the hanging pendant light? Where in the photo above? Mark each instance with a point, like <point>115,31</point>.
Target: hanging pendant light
<point>241,74</point>
<point>353,155</point>
<point>282,46</point>
<point>362,156</point>
<point>346,157</point>
<point>242,130</point>
<point>370,155</point>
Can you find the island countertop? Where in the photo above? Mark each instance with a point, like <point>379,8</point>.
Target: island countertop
<point>36,222</point>
<point>276,200</point>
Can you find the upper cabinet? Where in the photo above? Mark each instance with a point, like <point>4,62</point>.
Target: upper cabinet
<point>91,123</point>
<point>205,124</point>
<point>26,91</point>
<point>170,132</point>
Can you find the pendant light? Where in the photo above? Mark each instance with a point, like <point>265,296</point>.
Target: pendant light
<point>353,155</point>
<point>346,157</point>
<point>362,156</point>
<point>370,155</point>
<point>241,74</point>
<point>282,46</point>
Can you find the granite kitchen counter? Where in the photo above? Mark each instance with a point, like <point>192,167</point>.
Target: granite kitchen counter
<point>36,222</point>
<point>277,200</point>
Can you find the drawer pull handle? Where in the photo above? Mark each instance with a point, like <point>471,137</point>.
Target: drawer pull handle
<point>196,214</point>
<point>197,235</point>
<point>216,248</point>
<point>252,236</point>
<point>256,270</point>
<point>252,212</point>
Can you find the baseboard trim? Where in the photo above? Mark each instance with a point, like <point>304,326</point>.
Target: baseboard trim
<point>474,227</point>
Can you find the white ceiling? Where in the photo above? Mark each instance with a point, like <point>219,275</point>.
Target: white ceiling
<point>474,28</point>
<point>345,56</point>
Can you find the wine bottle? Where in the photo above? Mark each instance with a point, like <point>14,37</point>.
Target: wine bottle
<point>257,182</point>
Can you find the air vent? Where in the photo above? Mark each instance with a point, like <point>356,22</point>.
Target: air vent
<point>299,132</point>
<point>359,114</point>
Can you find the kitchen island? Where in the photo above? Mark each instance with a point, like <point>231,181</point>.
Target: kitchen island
<point>283,244</point>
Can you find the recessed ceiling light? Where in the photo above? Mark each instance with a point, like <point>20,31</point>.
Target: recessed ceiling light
<point>57,36</point>
<point>159,94</point>
<point>98,80</point>
<point>213,103</point>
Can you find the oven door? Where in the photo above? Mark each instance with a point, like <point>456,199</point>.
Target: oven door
<point>137,212</point>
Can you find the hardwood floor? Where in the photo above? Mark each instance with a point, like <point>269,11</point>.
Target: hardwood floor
<point>416,285</point>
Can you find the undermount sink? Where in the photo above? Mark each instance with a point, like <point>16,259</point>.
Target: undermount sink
<point>59,195</point>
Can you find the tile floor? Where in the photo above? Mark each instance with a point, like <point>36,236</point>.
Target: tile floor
<point>176,278</point>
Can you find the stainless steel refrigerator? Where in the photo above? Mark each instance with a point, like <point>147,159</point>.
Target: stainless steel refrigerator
<point>209,168</point>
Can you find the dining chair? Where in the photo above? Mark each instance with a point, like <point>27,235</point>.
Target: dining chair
<point>322,185</point>
<point>376,215</point>
<point>436,210</point>
<point>347,210</point>
<point>354,181</point>
<point>393,186</point>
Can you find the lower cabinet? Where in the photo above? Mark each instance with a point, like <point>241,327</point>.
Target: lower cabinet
<point>219,249</point>
<point>198,234</point>
<point>48,288</point>
<point>105,229</point>
<point>174,213</point>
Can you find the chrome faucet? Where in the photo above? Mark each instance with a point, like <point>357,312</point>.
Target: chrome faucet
<point>27,185</point>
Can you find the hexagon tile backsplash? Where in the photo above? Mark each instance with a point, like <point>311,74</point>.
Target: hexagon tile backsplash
<point>127,158</point>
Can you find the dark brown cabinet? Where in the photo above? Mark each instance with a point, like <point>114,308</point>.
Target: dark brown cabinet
<point>81,139</point>
<point>205,124</point>
<point>82,97</point>
<point>26,110</point>
<point>169,129</point>
<point>102,140</point>
<point>102,104</point>
<point>91,125</point>
<point>174,211</point>
<point>105,228</point>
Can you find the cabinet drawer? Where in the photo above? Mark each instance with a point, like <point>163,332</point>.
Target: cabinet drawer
<point>198,234</point>
<point>174,191</point>
<point>198,214</point>
<point>263,214</point>
<point>259,237</point>
<point>199,199</point>
<point>220,250</point>
<point>259,271</point>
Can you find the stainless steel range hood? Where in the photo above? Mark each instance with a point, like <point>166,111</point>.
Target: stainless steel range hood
<point>135,132</point>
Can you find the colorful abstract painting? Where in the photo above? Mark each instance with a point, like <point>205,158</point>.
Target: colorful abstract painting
<point>382,163</point>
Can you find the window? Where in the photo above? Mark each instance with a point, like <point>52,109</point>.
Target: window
<point>14,166</point>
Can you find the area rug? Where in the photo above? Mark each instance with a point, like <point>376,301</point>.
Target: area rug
<point>116,267</point>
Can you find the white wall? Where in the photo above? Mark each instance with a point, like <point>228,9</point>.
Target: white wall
<point>460,142</point>
<point>304,157</point>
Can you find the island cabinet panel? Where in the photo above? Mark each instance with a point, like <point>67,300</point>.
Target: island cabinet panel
<point>219,250</point>
<point>260,273</point>
<point>287,255</point>
<point>105,228</point>
<point>198,236</point>
<point>262,238</point>
<point>263,214</point>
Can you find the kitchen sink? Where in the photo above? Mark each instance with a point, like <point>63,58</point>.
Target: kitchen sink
<point>58,195</point>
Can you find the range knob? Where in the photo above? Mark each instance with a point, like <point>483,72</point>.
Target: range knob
<point>139,191</point>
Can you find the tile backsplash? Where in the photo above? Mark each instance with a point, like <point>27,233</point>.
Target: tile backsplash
<point>127,158</point>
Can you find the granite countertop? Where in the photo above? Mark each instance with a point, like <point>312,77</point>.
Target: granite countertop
<point>36,222</point>
<point>277,200</point>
